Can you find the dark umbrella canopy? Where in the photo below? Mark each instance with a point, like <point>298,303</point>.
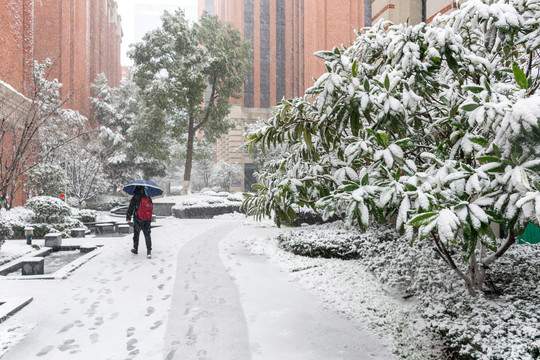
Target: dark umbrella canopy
<point>151,188</point>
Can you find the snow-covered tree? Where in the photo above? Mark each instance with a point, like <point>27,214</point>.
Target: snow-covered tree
<point>188,74</point>
<point>84,169</point>
<point>436,127</point>
<point>203,163</point>
<point>224,173</point>
<point>129,147</point>
<point>30,130</point>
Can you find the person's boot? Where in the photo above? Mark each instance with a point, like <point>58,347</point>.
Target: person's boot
<point>134,251</point>
<point>149,254</point>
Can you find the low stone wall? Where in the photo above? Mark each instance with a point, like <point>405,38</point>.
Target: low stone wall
<point>205,212</point>
<point>163,209</point>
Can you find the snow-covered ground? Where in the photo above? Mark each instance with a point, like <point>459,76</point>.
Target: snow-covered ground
<point>202,296</point>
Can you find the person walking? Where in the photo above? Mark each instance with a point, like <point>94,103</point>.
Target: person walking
<point>140,208</point>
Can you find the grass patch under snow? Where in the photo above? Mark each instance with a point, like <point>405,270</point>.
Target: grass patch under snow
<point>409,295</point>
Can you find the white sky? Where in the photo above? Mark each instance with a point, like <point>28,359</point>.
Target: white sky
<point>140,16</point>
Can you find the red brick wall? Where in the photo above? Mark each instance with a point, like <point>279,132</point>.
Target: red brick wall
<point>16,43</point>
<point>82,39</point>
<point>16,46</point>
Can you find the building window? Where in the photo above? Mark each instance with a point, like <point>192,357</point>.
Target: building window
<point>367,13</point>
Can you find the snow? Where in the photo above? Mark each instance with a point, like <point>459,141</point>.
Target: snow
<point>121,305</point>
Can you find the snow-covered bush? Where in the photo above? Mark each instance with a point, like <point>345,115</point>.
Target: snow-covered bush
<point>106,202</point>
<point>20,217</point>
<point>502,324</point>
<point>48,209</point>
<point>5,230</point>
<point>207,205</point>
<point>436,126</point>
<point>87,215</point>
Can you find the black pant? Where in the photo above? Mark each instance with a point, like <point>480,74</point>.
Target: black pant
<point>139,225</point>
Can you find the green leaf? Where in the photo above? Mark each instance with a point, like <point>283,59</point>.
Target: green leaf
<point>366,85</point>
<point>480,140</point>
<point>387,83</point>
<point>410,187</point>
<point>291,215</point>
<point>470,107</point>
<point>452,63</point>
<point>326,55</point>
<point>336,50</point>
<point>257,187</point>
<point>350,187</point>
<point>307,138</point>
<point>488,159</point>
<point>521,79</point>
<point>475,89</point>
<point>365,179</point>
<point>423,219</point>
<point>496,150</point>
<point>354,69</point>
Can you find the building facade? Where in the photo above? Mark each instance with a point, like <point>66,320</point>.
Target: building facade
<point>82,39</point>
<point>284,35</point>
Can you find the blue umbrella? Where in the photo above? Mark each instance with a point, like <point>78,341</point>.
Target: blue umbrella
<point>151,188</point>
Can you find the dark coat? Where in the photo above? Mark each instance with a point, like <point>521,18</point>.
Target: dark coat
<point>135,203</point>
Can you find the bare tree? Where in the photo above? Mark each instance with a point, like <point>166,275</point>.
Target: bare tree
<point>22,121</point>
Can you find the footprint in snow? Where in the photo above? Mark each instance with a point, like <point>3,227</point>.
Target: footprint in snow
<point>45,350</point>
<point>65,328</point>
<point>130,331</point>
<point>131,344</point>
<point>68,345</point>
<point>156,325</point>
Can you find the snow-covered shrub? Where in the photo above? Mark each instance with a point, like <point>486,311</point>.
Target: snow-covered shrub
<point>87,215</point>
<point>48,209</point>
<point>433,125</point>
<point>106,202</point>
<point>207,205</point>
<point>502,324</point>
<point>5,230</point>
<point>21,217</point>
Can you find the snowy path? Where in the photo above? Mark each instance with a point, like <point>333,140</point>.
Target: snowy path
<point>202,296</point>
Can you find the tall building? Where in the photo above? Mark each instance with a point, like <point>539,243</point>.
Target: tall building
<point>284,35</point>
<point>81,37</point>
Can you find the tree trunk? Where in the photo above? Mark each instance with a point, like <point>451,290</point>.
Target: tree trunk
<point>189,159</point>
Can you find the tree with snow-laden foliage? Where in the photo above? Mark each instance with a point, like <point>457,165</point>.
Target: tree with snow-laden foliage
<point>189,73</point>
<point>224,174</point>
<point>129,146</point>
<point>436,126</point>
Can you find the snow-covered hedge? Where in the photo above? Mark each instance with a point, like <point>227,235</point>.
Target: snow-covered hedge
<point>5,229</point>
<point>501,324</point>
<point>23,216</point>
<point>86,215</point>
<point>106,202</point>
<point>48,209</point>
<point>207,205</point>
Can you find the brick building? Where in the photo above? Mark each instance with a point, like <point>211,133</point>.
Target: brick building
<point>285,34</point>
<point>81,37</point>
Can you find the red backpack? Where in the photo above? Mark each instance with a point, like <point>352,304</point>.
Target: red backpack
<point>145,210</point>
